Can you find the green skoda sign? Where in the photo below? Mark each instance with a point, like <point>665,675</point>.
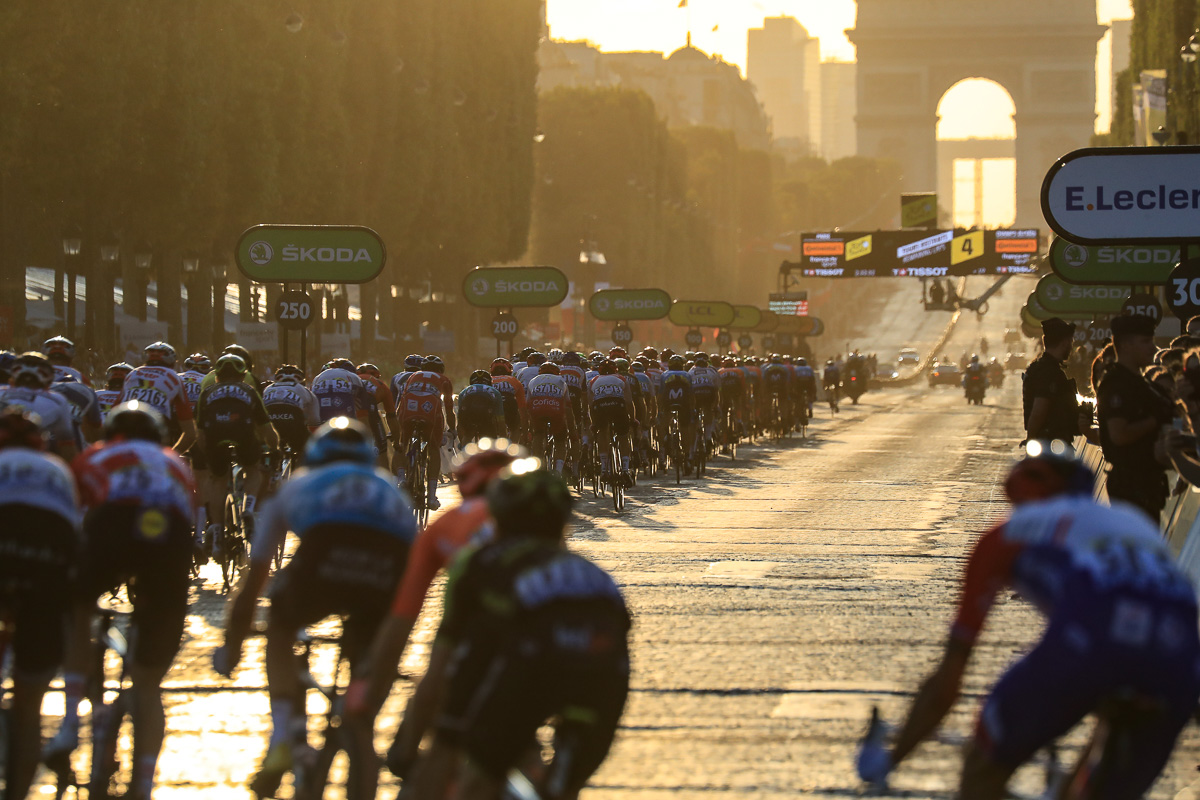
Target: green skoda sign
<point>310,254</point>
<point>620,305</point>
<point>1057,296</point>
<point>1120,265</point>
<point>1033,311</point>
<point>515,287</point>
<point>702,313</point>
<point>746,318</point>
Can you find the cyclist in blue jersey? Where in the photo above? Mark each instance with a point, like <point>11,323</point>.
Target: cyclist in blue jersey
<point>480,409</point>
<point>807,383</point>
<point>340,392</point>
<point>85,409</point>
<point>677,396</point>
<point>355,528</point>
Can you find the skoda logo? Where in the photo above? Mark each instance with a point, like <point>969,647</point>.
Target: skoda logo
<point>1076,255</point>
<point>479,286</point>
<point>261,253</point>
<point>602,304</point>
<point>1054,292</point>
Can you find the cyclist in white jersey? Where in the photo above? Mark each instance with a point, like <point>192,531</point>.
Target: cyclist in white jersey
<point>61,352</point>
<point>29,392</point>
<point>195,367</point>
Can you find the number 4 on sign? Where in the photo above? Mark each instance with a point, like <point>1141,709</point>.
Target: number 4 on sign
<point>966,247</point>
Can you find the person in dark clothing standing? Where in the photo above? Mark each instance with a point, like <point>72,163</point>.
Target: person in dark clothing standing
<point>1048,395</point>
<point>1131,417</point>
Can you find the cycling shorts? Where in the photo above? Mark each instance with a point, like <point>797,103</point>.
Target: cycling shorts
<point>37,553</point>
<point>477,422</point>
<point>610,414</point>
<point>1079,664</point>
<point>556,418</point>
<point>247,449</point>
<point>498,696</point>
<point>343,570</point>
<point>705,397</point>
<point>152,549</point>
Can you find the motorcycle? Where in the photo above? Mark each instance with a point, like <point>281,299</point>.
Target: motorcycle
<point>996,375</point>
<point>975,386</point>
<point>854,386</point>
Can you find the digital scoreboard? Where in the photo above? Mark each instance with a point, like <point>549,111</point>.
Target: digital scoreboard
<point>918,254</point>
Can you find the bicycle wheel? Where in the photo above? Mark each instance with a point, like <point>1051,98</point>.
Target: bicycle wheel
<point>227,546</point>
<point>618,486</point>
<point>423,483</point>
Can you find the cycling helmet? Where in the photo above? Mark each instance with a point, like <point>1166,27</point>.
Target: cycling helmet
<point>556,356</point>
<point>340,439</point>
<point>59,347</point>
<point>369,369</point>
<point>974,358</point>
<point>32,369</point>
<point>638,366</point>
<point>479,463</point>
<point>536,359</point>
<point>115,376</point>
<point>198,362</point>
<point>21,429</point>
<point>617,352</point>
<point>502,366</point>
<point>1048,469</point>
<point>606,367</point>
<point>675,363</point>
<point>480,377</point>
<point>527,500</point>
<point>434,364</point>
<point>728,363</point>
<point>549,368</point>
<point>160,354</point>
<point>650,353</point>
<point>572,359</point>
<point>622,365</point>
<point>801,362</point>
<point>340,363</point>
<point>413,363</point>
<point>702,361</point>
<point>230,367</point>
<point>241,352</point>
<point>597,359</point>
<point>776,358</point>
<point>289,375</point>
<point>135,420</point>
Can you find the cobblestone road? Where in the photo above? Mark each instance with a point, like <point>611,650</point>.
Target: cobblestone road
<point>775,603</point>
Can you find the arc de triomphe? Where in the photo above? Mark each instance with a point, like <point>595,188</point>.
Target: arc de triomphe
<point>910,52</point>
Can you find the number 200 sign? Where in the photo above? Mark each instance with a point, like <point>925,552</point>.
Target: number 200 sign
<point>1183,289</point>
<point>293,310</point>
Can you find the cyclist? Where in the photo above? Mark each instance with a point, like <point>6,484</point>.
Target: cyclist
<point>573,373</point>
<point>513,393</point>
<point>85,409</point>
<point>533,363</point>
<point>677,398</point>
<point>140,499</point>
<point>412,363</point>
<point>248,378</point>
<point>831,382</point>
<point>355,528</point>
<point>733,395</point>
<point>706,383</point>
<point>1121,617</point>
<point>114,387</point>
<point>436,547</point>
<point>157,384</point>
<point>231,411</point>
<point>807,381</point>
<point>550,405</point>
<point>381,406</point>
<point>777,381</point>
<point>40,509</point>
<point>340,392</point>
<point>195,367</point>
<point>611,402</point>
<point>61,352</point>
<point>428,401</point>
<point>292,408</point>
<point>480,409</point>
<point>537,632</point>
<point>29,391</point>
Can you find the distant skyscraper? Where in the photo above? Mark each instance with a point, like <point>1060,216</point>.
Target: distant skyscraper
<point>839,104</point>
<point>1122,30</point>
<point>783,63</point>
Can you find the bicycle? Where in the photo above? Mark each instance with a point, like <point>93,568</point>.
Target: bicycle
<point>701,451</point>
<point>415,476</point>
<point>230,548</point>
<point>729,435</point>
<point>675,452</point>
<point>280,476</point>
<point>612,478</point>
<point>108,716</point>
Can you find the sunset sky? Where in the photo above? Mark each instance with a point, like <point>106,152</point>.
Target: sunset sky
<point>662,25</point>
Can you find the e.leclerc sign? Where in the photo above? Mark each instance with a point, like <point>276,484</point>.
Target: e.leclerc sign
<point>515,287</point>
<point>702,313</point>
<point>310,254</point>
<point>618,305</point>
<point>1119,265</point>
<point>1056,295</point>
<point>1124,195</point>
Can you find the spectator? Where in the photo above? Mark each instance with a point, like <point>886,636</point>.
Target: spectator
<point>1047,395</point>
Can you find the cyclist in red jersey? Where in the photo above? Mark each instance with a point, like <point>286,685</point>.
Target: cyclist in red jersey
<point>436,546</point>
<point>419,403</point>
<point>513,392</point>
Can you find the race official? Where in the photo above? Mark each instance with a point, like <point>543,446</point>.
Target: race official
<point>1131,416</point>
<point>1048,395</point>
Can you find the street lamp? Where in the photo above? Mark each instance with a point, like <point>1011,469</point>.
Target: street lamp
<point>100,293</point>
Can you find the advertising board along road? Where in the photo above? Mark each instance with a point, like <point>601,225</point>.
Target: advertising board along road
<point>617,305</point>
<point>515,287</point>
<point>702,313</point>
<point>746,318</point>
<point>310,254</point>
<point>1124,195</point>
<point>769,322</point>
<point>1119,265</point>
<point>1057,296</point>
<point>1035,312</point>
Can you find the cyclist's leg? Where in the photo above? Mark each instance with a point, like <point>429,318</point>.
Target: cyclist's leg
<point>434,450</point>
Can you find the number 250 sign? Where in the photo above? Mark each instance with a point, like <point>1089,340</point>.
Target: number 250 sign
<point>293,310</point>
<point>1183,289</point>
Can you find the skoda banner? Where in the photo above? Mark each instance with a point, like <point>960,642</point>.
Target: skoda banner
<point>1034,312</point>
<point>515,287</point>
<point>1124,195</point>
<point>310,254</point>
<point>1057,296</point>
<point>1119,265</point>
<point>617,305</point>
<point>746,318</point>
<point>702,313</point>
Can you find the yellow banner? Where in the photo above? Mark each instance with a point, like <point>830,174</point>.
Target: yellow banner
<point>858,248</point>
